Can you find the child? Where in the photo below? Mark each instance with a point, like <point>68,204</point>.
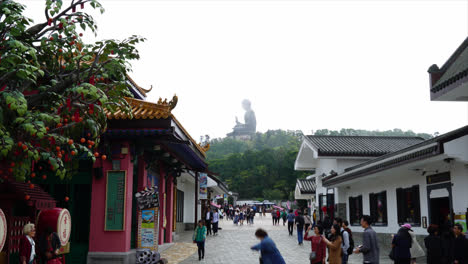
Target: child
<point>199,237</point>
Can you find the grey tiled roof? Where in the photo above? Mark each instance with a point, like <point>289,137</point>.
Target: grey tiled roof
<point>453,70</point>
<point>360,146</point>
<point>306,186</point>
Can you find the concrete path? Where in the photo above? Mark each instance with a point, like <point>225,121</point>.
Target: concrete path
<point>233,243</point>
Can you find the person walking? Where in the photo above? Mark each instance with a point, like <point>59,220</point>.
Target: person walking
<point>314,216</point>
<point>317,244</point>
<point>208,218</point>
<point>27,246</point>
<point>215,222</point>
<point>278,215</point>
<point>291,219</point>
<point>433,244</point>
<point>370,247</point>
<point>416,251</point>
<point>460,249</point>
<point>299,221</point>
<point>284,216</point>
<point>268,250</point>
<point>199,237</point>
<point>345,242</point>
<point>401,245</point>
<point>334,245</point>
<point>252,216</point>
<point>307,220</point>
<point>273,216</point>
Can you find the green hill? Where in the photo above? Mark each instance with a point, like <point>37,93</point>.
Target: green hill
<point>263,168</point>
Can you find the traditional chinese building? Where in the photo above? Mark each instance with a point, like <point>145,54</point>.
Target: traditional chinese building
<point>146,148</point>
<point>421,184</point>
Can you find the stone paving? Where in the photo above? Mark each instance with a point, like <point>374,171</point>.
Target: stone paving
<point>233,243</point>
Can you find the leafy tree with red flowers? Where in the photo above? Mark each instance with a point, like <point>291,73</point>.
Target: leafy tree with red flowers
<point>54,88</point>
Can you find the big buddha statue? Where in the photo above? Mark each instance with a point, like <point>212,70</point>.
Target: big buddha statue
<point>249,127</point>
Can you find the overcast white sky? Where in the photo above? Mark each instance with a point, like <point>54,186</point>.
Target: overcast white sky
<point>305,65</point>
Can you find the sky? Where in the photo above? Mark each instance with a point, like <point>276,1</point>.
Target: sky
<point>305,65</point>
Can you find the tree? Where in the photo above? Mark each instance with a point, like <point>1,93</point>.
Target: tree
<point>54,88</point>
<point>262,167</point>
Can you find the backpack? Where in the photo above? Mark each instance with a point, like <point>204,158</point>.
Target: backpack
<point>351,242</point>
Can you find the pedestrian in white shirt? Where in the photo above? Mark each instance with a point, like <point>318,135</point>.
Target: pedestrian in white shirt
<point>215,222</point>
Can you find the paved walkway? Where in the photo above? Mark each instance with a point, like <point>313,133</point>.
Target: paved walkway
<point>233,243</point>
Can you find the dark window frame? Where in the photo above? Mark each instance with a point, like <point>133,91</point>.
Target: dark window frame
<point>373,208</point>
<point>180,206</point>
<point>352,208</point>
<point>402,196</point>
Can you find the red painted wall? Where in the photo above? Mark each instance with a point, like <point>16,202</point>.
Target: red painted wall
<point>169,209</point>
<point>110,241</point>
<point>162,190</point>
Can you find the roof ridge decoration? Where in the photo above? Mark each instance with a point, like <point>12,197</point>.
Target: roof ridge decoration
<point>145,110</point>
<point>141,89</point>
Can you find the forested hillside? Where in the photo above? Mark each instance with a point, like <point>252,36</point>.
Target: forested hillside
<point>263,168</point>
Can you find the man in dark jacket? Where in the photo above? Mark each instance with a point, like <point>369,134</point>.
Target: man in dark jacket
<point>299,221</point>
<point>460,249</point>
<point>370,247</point>
<point>433,244</point>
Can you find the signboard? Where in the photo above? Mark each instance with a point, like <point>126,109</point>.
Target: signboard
<point>461,219</point>
<point>64,226</point>
<point>148,220</point>
<point>148,198</point>
<point>3,229</point>
<point>116,185</point>
<point>439,177</point>
<point>203,194</point>
<point>225,198</point>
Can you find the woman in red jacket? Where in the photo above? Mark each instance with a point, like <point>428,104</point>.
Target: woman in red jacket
<point>27,249</point>
<point>318,245</point>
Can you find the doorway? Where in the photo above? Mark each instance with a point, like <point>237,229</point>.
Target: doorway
<point>439,197</point>
<point>440,210</point>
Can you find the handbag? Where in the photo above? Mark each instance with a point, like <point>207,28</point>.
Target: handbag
<point>313,254</point>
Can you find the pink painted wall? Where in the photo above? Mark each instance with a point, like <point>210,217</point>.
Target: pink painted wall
<point>169,208</point>
<point>110,241</point>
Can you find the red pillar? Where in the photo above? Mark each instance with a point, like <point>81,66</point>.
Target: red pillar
<point>169,208</point>
<point>142,174</point>
<point>162,207</point>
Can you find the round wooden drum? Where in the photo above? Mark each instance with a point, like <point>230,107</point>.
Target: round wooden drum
<point>59,220</point>
<point>3,229</point>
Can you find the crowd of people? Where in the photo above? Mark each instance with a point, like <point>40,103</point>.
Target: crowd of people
<point>332,241</point>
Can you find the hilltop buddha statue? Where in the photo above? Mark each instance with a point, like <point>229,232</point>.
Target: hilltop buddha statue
<point>249,127</point>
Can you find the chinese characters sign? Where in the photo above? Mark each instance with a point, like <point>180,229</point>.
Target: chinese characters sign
<point>64,226</point>
<point>115,200</point>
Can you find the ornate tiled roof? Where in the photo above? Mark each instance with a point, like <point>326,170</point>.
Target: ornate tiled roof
<point>360,146</point>
<point>145,110</point>
<point>139,88</point>
<point>455,69</point>
<point>306,186</point>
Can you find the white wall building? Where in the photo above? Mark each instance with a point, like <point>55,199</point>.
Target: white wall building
<point>330,155</point>
<point>423,184</point>
<point>185,199</point>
